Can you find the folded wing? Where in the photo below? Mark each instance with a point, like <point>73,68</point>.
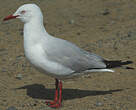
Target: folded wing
<point>73,57</point>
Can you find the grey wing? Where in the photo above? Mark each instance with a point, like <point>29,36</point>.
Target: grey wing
<point>73,57</point>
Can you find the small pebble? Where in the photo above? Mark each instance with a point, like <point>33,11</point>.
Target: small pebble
<point>3,70</point>
<point>19,57</point>
<point>129,34</point>
<point>99,104</point>
<point>78,33</point>
<point>71,21</point>
<point>11,108</point>
<point>105,12</point>
<point>19,76</point>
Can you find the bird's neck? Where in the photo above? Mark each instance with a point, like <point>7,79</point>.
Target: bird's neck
<point>34,31</point>
<point>34,27</point>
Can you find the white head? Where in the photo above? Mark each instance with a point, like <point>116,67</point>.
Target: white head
<point>27,13</point>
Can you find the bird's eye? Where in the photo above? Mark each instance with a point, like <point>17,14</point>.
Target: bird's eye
<point>23,12</point>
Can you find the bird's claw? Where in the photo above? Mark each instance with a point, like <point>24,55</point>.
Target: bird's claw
<point>53,104</point>
<point>50,102</point>
<point>57,105</point>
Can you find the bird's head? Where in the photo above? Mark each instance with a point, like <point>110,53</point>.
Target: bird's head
<point>26,13</point>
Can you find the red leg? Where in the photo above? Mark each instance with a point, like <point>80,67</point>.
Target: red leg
<point>56,94</point>
<point>60,92</point>
<point>57,105</point>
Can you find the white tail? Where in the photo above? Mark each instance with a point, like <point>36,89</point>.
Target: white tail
<point>100,70</point>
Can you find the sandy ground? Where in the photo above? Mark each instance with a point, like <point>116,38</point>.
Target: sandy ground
<point>105,27</point>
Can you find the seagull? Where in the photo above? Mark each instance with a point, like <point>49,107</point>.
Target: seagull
<point>53,56</point>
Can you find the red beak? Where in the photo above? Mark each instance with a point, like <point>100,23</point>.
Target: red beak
<point>10,17</point>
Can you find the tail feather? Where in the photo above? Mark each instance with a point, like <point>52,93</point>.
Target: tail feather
<point>100,70</point>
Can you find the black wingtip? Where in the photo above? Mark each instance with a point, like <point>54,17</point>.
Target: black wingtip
<point>117,63</point>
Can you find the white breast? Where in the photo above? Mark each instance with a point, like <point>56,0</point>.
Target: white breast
<point>37,57</point>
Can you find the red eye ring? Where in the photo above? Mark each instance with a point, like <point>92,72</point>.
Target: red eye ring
<point>22,12</point>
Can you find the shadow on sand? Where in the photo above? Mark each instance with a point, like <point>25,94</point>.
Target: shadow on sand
<point>40,92</point>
